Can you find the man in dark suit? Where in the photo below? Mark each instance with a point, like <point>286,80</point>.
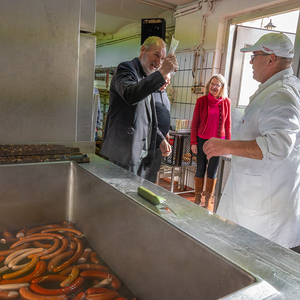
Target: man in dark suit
<point>131,129</point>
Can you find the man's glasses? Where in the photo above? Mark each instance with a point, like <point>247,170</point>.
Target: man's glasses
<point>254,55</point>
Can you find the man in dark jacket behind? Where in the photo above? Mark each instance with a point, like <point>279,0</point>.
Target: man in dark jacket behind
<point>162,108</point>
<point>131,129</point>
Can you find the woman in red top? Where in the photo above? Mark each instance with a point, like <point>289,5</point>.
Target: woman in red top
<point>211,119</point>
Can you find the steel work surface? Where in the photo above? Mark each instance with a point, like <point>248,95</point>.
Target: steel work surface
<point>157,254</point>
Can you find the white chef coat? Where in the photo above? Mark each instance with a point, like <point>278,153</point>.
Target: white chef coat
<point>264,195</point>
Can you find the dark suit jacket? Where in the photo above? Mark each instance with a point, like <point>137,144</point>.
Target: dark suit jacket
<point>162,108</point>
<point>129,113</point>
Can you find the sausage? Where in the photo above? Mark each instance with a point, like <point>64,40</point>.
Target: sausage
<point>7,234</point>
<point>2,258</point>
<point>73,230</point>
<point>47,251</point>
<point>68,234</point>
<point>13,286</point>
<point>26,294</point>
<point>7,252</point>
<point>10,251</point>
<point>18,267</point>
<point>40,228</point>
<point>50,277</point>
<point>115,282</point>
<point>8,240</point>
<point>111,295</point>
<point>42,234</point>
<point>103,283</point>
<point>10,257</point>
<point>68,224</point>
<point>80,296</point>
<point>31,239</point>
<point>21,233</point>
<point>38,244</point>
<point>71,277</point>
<point>93,258</point>
<point>73,245</point>
<point>8,237</point>
<point>72,287</point>
<point>85,256</point>
<point>22,271</point>
<point>4,269</point>
<point>23,255</point>
<point>9,295</point>
<point>39,270</point>
<point>84,267</point>
<point>73,258</point>
<point>96,290</point>
<point>55,260</point>
<point>58,251</point>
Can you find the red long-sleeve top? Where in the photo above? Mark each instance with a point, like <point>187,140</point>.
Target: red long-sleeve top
<point>201,115</point>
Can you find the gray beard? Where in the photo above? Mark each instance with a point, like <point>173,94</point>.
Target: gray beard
<point>146,69</point>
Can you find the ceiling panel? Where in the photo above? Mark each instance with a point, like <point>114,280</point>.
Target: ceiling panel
<point>112,15</point>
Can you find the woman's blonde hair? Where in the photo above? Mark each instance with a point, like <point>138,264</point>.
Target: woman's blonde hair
<point>224,88</point>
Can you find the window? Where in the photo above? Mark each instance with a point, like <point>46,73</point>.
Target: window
<point>242,84</point>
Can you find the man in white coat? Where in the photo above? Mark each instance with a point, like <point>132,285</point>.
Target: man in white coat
<point>262,192</point>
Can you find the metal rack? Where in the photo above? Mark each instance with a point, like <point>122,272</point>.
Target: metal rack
<point>181,155</point>
<point>178,161</point>
<point>104,103</point>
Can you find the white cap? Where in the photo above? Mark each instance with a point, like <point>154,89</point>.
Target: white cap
<point>277,43</point>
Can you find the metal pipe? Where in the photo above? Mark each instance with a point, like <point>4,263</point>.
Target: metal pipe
<point>213,63</point>
<point>201,70</point>
<point>119,40</point>
<point>187,9</point>
<point>194,71</point>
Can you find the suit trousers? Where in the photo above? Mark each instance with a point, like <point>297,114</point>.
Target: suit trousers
<point>140,168</point>
<point>152,171</point>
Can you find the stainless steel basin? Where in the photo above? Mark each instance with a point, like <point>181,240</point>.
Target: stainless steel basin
<point>158,255</point>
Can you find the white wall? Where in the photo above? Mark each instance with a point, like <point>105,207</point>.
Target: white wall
<point>112,55</point>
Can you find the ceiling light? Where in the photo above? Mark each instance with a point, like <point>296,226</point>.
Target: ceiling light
<point>270,25</point>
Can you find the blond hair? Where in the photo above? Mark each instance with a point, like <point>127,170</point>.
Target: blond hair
<point>223,90</point>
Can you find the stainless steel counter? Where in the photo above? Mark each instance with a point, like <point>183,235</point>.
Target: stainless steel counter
<point>157,254</point>
<point>276,269</point>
